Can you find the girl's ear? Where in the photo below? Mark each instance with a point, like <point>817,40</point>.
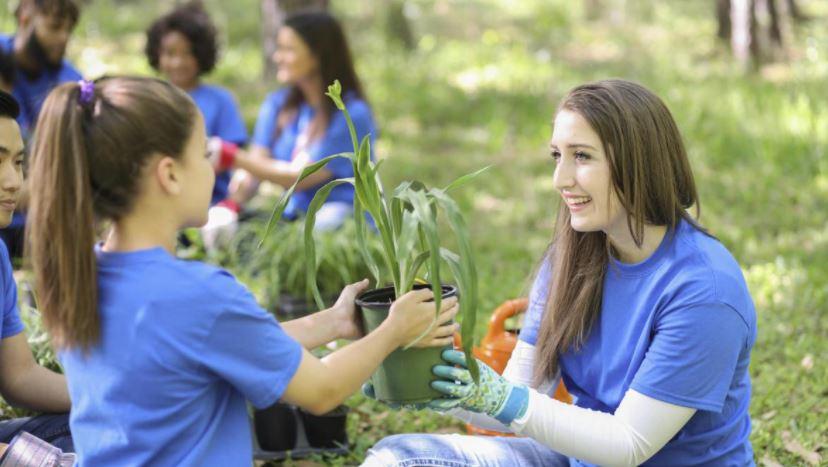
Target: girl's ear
<point>168,175</point>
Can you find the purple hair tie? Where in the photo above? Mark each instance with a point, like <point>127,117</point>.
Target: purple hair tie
<point>87,91</point>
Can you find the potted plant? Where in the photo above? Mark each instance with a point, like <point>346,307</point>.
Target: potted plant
<point>406,223</point>
<point>277,270</point>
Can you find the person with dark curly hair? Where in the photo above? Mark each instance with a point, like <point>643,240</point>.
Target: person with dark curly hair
<point>183,46</point>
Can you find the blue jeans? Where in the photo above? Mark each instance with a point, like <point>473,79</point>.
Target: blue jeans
<point>52,428</point>
<point>461,451</point>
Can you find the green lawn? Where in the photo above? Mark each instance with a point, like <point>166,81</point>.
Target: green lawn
<point>481,88</point>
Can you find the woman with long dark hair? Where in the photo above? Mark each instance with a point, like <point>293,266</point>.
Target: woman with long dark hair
<point>642,314</point>
<point>299,125</point>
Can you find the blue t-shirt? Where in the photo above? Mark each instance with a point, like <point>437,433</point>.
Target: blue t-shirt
<point>337,139</point>
<point>677,327</point>
<point>31,93</point>
<point>223,119</point>
<point>10,325</point>
<point>182,346</point>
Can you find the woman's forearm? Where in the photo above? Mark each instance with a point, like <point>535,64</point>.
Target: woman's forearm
<point>279,172</point>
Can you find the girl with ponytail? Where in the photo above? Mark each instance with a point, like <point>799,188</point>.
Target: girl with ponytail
<point>161,354</point>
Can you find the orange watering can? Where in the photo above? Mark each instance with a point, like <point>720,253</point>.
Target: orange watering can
<point>496,348</point>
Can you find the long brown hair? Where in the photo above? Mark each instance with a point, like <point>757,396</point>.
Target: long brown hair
<point>326,40</point>
<point>652,178</point>
<point>86,165</point>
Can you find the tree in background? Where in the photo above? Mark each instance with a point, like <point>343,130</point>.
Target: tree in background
<point>757,31</point>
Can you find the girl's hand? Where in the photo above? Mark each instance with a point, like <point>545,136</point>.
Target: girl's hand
<point>443,334</point>
<point>414,312</point>
<point>494,395</point>
<point>348,323</point>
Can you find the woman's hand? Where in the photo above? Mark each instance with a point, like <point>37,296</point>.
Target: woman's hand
<point>414,312</point>
<point>348,322</point>
<point>494,395</point>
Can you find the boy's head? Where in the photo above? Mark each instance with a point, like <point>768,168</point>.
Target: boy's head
<point>11,157</point>
<point>45,26</point>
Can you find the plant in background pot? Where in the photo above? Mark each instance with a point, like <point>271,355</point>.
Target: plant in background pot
<point>406,224</point>
<point>277,270</point>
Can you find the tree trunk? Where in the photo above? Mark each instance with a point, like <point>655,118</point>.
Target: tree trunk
<point>397,27</point>
<point>725,29</point>
<point>593,9</point>
<point>274,13</point>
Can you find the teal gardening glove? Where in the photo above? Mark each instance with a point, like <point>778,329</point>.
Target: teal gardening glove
<point>494,395</point>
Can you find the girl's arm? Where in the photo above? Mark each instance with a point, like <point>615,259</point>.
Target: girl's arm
<point>320,385</point>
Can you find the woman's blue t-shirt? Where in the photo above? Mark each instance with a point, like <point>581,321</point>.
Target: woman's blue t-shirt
<point>677,327</point>
<point>182,346</point>
<point>223,119</point>
<point>337,139</point>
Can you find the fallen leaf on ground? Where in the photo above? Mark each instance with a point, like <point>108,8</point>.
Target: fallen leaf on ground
<point>768,415</point>
<point>791,445</point>
<point>769,462</point>
<point>808,362</point>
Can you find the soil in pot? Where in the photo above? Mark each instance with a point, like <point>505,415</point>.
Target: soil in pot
<point>404,377</point>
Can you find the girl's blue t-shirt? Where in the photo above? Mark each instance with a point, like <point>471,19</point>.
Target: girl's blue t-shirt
<point>223,119</point>
<point>678,327</point>
<point>337,139</point>
<point>183,345</point>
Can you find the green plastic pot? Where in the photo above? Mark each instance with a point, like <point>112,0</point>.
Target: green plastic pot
<point>405,376</point>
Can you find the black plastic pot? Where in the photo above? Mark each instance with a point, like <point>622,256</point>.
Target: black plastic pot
<point>276,427</point>
<point>326,430</point>
<point>404,377</point>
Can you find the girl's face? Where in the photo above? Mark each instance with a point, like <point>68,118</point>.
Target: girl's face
<point>582,176</point>
<point>198,178</point>
<point>293,58</point>
<point>177,62</point>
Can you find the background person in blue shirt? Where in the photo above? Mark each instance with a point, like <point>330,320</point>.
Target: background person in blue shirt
<point>642,314</point>
<point>162,354</point>
<point>22,381</point>
<point>299,125</point>
<point>183,47</point>
<point>37,49</point>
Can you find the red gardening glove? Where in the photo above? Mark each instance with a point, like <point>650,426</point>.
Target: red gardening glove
<point>229,204</point>
<point>222,154</point>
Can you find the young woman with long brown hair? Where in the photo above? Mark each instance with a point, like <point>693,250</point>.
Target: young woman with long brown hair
<point>161,354</point>
<point>642,314</point>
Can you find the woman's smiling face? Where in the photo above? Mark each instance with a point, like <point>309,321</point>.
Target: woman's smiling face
<point>582,176</point>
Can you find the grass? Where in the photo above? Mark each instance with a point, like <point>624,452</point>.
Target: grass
<point>481,87</point>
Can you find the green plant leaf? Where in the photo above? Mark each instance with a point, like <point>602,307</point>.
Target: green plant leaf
<point>310,246</point>
<point>467,277</point>
<point>468,314</point>
<point>359,220</point>
<point>279,209</point>
<point>462,180</point>
<point>427,225</point>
